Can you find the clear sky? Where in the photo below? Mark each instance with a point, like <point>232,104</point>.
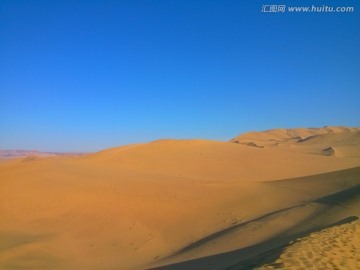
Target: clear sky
<point>87,75</point>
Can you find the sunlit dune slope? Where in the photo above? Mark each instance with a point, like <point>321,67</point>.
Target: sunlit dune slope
<point>213,160</point>
<point>340,245</point>
<point>336,141</point>
<point>171,204</point>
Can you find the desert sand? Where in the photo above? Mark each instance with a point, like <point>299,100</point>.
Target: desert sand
<point>280,198</point>
<point>333,248</point>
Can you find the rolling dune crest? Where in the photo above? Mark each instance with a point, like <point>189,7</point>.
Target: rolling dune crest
<point>184,204</point>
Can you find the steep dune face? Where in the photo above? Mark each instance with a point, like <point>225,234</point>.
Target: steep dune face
<point>342,243</point>
<point>298,207</point>
<point>172,204</point>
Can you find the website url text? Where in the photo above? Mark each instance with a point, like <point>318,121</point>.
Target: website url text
<point>323,8</point>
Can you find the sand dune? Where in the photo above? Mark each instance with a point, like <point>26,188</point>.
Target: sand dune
<point>342,141</point>
<point>333,248</point>
<point>181,204</point>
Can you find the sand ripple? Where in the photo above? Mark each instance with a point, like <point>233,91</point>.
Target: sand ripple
<point>333,248</point>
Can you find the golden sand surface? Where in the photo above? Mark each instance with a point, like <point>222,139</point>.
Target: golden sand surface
<point>178,204</point>
<point>333,248</point>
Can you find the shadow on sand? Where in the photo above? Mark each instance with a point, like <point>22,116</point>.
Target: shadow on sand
<point>266,252</point>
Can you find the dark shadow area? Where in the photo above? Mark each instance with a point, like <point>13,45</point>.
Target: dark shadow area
<point>307,138</point>
<point>271,256</point>
<point>341,196</point>
<point>332,199</point>
<point>267,253</point>
<point>230,229</point>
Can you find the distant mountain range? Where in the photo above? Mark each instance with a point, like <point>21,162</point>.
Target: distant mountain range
<point>8,154</point>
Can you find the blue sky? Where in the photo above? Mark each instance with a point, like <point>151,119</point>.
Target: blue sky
<point>87,75</point>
